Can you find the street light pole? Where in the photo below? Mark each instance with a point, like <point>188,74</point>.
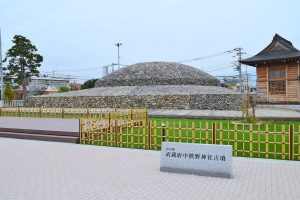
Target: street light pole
<point>118,45</point>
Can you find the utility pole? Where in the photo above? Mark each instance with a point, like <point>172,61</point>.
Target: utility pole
<point>239,67</point>
<point>1,69</point>
<point>118,45</point>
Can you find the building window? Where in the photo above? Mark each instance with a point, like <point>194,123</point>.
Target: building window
<point>277,87</point>
<point>278,73</point>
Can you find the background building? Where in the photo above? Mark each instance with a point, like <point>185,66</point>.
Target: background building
<point>277,71</point>
<point>46,85</point>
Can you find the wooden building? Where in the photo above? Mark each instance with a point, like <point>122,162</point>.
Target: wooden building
<point>277,72</point>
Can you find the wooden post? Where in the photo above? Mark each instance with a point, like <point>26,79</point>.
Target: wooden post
<point>111,128</point>
<point>81,138</point>
<point>109,120</point>
<point>87,113</point>
<point>0,111</point>
<point>146,116</point>
<point>180,132</point>
<point>149,135</point>
<point>116,132</point>
<point>221,133</point>
<point>251,140</point>
<point>167,131</point>
<point>235,140</point>
<point>93,132</point>
<point>155,135</point>
<point>283,128</point>
<point>62,113</point>
<point>267,141</point>
<point>291,154</point>
<point>19,112</point>
<point>131,117</point>
<point>214,133</point>
<point>40,112</point>
<point>206,133</point>
<point>193,132</point>
<point>163,132</point>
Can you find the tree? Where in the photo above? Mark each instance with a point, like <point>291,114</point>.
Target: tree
<point>249,108</point>
<point>64,89</point>
<point>23,61</point>
<point>8,93</point>
<point>88,84</point>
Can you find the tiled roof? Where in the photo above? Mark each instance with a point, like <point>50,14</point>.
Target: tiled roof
<point>278,49</point>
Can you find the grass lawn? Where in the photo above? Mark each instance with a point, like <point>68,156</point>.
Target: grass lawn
<point>270,139</point>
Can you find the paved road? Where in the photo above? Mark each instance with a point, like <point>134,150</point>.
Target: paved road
<point>32,170</point>
<point>263,113</point>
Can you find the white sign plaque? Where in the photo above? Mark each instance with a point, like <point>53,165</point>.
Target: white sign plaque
<point>199,159</point>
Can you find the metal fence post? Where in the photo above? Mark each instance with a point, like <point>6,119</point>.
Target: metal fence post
<point>291,154</point>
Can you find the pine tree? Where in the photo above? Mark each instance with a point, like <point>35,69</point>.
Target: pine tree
<point>23,61</point>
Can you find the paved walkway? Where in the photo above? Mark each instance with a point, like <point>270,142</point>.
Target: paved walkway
<point>262,113</point>
<point>43,124</point>
<point>32,170</point>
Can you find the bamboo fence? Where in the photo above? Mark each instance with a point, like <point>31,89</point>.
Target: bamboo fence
<point>88,113</point>
<point>260,141</point>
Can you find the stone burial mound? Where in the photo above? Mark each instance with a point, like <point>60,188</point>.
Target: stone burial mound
<point>152,85</point>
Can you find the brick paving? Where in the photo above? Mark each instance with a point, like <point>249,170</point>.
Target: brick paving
<point>32,170</point>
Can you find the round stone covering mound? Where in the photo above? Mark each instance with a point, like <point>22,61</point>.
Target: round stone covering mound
<point>157,73</point>
<point>152,85</point>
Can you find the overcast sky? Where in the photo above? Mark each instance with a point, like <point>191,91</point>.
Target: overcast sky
<point>76,35</point>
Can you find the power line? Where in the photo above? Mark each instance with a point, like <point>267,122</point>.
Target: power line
<point>75,70</point>
<point>218,69</point>
<point>69,76</point>
<point>209,56</point>
<point>84,69</point>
